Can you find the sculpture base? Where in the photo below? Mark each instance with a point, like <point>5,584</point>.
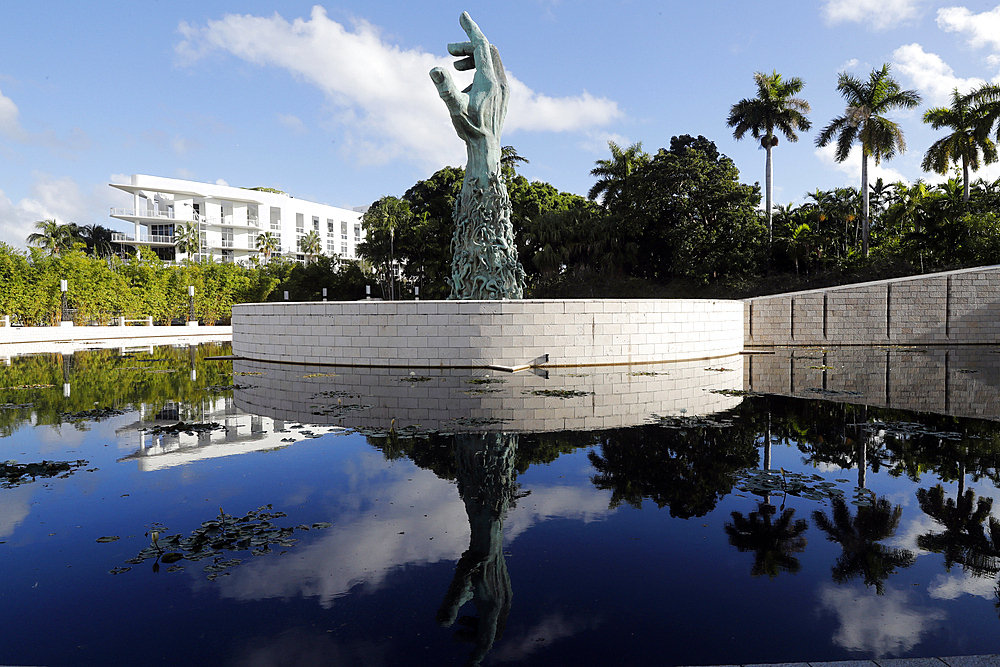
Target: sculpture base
<point>506,335</point>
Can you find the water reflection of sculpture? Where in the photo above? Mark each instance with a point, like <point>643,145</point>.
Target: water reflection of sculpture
<point>486,483</point>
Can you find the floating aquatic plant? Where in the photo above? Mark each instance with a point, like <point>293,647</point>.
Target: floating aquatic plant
<point>811,487</point>
<point>96,415</point>
<point>214,538</point>
<point>14,474</point>
<point>190,428</point>
<point>559,393</point>
<point>690,422</point>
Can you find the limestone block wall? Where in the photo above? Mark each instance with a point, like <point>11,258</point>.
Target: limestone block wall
<point>475,334</point>
<point>956,307</point>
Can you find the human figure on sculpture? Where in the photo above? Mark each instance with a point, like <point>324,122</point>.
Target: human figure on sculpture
<point>484,259</point>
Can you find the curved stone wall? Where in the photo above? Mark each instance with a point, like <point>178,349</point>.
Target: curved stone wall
<point>488,334</point>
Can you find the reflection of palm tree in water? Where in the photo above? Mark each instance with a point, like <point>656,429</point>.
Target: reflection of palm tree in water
<point>964,540</point>
<point>487,485</point>
<point>859,537</point>
<point>773,542</point>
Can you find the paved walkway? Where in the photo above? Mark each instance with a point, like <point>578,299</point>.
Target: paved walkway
<point>15,341</point>
<point>957,661</point>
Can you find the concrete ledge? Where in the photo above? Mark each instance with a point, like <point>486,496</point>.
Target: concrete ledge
<point>484,334</point>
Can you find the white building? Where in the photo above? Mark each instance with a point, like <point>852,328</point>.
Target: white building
<point>230,219</point>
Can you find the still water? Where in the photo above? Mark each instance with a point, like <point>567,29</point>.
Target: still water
<point>160,507</point>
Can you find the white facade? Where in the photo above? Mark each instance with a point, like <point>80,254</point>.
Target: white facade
<point>230,219</point>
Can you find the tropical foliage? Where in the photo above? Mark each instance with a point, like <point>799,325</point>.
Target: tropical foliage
<point>774,108</point>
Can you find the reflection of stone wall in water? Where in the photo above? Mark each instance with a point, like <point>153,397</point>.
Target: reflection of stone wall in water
<point>487,485</point>
<point>471,400</point>
<point>961,381</point>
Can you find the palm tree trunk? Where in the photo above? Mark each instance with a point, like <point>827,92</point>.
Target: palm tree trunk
<point>768,178</point>
<point>864,202</point>
<point>965,177</point>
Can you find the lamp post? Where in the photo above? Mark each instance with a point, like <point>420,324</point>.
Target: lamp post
<point>324,294</point>
<point>64,318</point>
<point>192,320</point>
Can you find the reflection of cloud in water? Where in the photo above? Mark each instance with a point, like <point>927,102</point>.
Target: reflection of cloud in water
<point>517,647</point>
<point>392,531</point>
<point>364,551</point>
<point>878,625</point>
<point>14,508</point>
<point>906,537</point>
<point>584,504</point>
<point>951,586</point>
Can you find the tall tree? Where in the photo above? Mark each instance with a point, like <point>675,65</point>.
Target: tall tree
<point>53,237</point>
<point>774,108</point>
<point>267,244</point>
<point>385,219</point>
<point>863,122</point>
<point>188,238</point>
<point>615,176</point>
<point>509,159</point>
<point>311,244</point>
<point>971,120</point>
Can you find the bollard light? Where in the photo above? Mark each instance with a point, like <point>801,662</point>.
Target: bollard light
<point>190,290</point>
<point>63,285</point>
<point>416,292</point>
<point>324,294</point>
<point>286,295</point>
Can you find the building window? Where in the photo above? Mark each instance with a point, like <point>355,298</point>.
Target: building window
<point>357,234</point>
<point>343,231</point>
<point>275,218</point>
<point>330,246</point>
<point>329,226</point>
<point>343,249</point>
<point>315,223</point>
<point>227,238</point>
<point>252,240</point>
<point>300,223</point>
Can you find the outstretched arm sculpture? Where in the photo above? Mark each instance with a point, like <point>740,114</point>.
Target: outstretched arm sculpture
<point>484,261</point>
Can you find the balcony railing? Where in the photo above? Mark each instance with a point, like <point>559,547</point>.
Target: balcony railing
<point>142,213</point>
<point>117,237</point>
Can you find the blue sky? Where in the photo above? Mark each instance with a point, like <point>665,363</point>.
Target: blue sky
<point>332,102</point>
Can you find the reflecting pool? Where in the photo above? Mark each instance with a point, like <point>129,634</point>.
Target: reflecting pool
<point>161,505</point>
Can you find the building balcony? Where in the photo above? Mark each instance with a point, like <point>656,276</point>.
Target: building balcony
<point>143,239</point>
<point>143,214</point>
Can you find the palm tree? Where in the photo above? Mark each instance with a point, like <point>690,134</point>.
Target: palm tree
<point>774,108</point>
<point>52,236</point>
<point>864,123</point>
<point>509,159</point>
<point>97,238</point>
<point>971,120</point>
<point>268,244</point>
<point>311,244</point>
<point>859,537</point>
<point>188,238</point>
<point>614,174</point>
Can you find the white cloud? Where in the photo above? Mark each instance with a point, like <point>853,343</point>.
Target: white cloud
<point>51,198</point>
<point>876,14</point>
<point>980,29</point>
<point>381,94</point>
<point>220,181</point>
<point>10,122</point>
<point>879,625</point>
<point>293,123</point>
<point>851,167</point>
<point>932,75</point>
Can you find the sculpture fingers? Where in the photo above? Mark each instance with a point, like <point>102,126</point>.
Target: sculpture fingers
<point>480,47</point>
<point>457,101</point>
